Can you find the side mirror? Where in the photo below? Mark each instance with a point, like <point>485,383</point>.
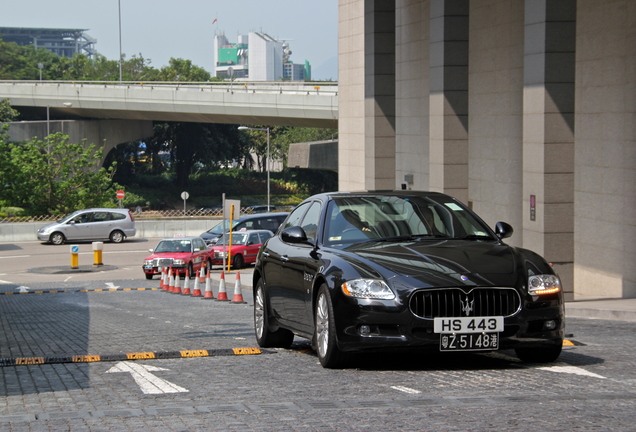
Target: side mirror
<point>151,250</point>
<point>294,234</point>
<point>503,230</point>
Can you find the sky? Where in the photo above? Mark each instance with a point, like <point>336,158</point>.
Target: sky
<point>161,29</point>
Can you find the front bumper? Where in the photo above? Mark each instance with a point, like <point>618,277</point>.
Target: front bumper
<point>363,325</point>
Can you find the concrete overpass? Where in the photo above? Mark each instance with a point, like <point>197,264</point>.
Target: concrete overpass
<point>109,113</point>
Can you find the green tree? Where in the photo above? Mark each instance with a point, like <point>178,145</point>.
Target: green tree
<point>183,70</point>
<point>195,144</point>
<point>54,176</point>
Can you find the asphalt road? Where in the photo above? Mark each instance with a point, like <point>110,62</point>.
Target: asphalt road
<point>109,351</point>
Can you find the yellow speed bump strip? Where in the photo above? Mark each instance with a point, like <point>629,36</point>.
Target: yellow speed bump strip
<point>79,291</point>
<point>23,361</point>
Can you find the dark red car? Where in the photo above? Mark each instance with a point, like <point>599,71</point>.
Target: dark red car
<point>242,249</point>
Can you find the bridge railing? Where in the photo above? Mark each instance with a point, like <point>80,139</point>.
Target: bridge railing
<point>273,87</point>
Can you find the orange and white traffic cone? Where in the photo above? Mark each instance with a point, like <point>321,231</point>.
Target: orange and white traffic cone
<point>196,292</point>
<point>162,280</point>
<point>186,284</point>
<point>238,294</point>
<point>170,287</point>
<point>177,284</point>
<point>208,294</point>
<point>222,296</point>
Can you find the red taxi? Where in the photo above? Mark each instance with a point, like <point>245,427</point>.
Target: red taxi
<point>180,253</point>
<point>242,249</point>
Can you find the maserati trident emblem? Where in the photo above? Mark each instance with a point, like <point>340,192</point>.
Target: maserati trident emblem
<point>467,306</point>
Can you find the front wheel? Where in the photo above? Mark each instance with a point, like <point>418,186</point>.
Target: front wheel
<point>57,238</point>
<point>539,355</point>
<point>327,349</point>
<point>281,338</point>
<point>117,237</point>
<point>238,262</point>
<point>149,276</point>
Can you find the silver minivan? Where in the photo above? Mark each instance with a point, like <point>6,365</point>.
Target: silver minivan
<point>90,224</point>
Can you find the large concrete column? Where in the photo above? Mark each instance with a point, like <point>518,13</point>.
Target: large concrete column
<point>379,89</point>
<point>351,113</point>
<point>548,132</point>
<point>449,97</point>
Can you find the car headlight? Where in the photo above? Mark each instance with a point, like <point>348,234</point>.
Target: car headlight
<point>544,284</point>
<point>148,262</point>
<point>178,262</point>
<point>368,288</point>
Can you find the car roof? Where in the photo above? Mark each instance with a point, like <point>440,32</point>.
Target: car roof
<point>250,231</point>
<point>119,210</point>
<point>261,215</point>
<point>181,238</point>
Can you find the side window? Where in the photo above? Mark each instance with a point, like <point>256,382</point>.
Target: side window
<point>253,239</point>
<point>100,216</point>
<point>117,216</point>
<point>310,221</point>
<point>264,236</point>
<point>296,215</point>
<point>83,218</point>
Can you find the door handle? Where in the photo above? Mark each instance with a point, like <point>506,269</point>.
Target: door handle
<point>284,258</point>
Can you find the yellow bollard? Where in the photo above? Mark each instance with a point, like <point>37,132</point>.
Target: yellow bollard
<point>97,254</point>
<point>74,256</point>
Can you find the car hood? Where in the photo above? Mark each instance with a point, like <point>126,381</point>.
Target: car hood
<point>174,255</point>
<point>438,263</point>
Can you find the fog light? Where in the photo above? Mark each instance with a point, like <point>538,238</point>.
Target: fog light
<point>365,330</point>
<point>549,325</point>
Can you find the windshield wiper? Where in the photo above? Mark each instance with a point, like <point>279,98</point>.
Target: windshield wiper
<point>475,237</point>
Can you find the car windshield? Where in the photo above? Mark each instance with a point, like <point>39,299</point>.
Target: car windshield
<point>69,217</point>
<point>237,239</point>
<point>217,230</point>
<point>367,218</point>
<point>174,246</point>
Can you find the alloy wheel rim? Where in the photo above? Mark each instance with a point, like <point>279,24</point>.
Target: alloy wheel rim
<point>322,325</point>
<point>259,312</point>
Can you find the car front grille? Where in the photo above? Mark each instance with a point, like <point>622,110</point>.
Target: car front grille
<point>162,262</point>
<point>455,302</point>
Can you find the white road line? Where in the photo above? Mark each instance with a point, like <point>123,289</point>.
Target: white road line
<point>16,256</point>
<point>406,389</point>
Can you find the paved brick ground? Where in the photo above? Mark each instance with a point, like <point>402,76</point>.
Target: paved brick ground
<point>593,387</point>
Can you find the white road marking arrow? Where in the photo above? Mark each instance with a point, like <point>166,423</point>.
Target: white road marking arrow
<point>22,289</point>
<point>565,368</point>
<point>111,285</point>
<point>148,383</point>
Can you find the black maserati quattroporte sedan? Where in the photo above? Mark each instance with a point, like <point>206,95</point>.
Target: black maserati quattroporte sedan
<point>378,271</point>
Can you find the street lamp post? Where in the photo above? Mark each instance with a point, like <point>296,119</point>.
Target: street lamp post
<point>120,59</point>
<point>266,159</point>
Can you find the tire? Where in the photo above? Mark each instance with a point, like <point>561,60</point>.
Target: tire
<point>149,276</point>
<point>266,338</point>
<point>539,355</point>
<point>238,262</point>
<point>325,341</point>
<point>57,238</point>
<point>191,272</point>
<point>116,236</point>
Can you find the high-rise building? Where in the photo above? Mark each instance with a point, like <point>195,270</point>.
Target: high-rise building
<point>63,42</point>
<point>257,57</point>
